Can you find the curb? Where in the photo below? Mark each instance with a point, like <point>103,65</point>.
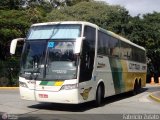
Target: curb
<point>5,88</point>
<point>154,97</point>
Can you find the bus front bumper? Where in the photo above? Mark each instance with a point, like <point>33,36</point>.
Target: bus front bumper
<point>62,96</point>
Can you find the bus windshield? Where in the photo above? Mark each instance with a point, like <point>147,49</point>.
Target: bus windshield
<point>61,31</point>
<point>61,61</point>
<point>51,60</point>
<point>48,52</point>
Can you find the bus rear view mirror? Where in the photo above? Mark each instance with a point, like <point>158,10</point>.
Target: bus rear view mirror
<point>78,45</point>
<point>14,45</point>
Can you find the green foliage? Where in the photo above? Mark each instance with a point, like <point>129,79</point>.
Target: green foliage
<point>15,21</point>
<point>152,28</point>
<point>109,17</point>
<point>14,24</point>
<point>142,31</point>
<point>9,4</point>
<point>74,2</point>
<point>146,32</point>
<point>9,72</point>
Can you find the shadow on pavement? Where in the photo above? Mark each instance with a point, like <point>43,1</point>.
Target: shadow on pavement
<point>84,106</point>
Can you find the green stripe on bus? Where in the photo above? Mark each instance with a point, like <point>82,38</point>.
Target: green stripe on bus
<point>50,83</point>
<point>43,83</point>
<point>116,68</point>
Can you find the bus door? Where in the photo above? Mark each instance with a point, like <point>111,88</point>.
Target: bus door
<point>87,65</point>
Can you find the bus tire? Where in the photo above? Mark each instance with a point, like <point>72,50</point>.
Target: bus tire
<point>139,86</point>
<point>99,96</point>
<point>136,87</point>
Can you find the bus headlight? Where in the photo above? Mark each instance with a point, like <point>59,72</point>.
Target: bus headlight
<point>23,84</point>
<point>69,86</point>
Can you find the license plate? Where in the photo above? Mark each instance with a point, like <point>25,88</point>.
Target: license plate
<point>43,95</point>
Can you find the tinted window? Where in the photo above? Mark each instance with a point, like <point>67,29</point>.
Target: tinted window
<point>125,50</point>
<point>114,47</point>
<point>108,45</point>
<point>103,43</point>
<point>138,55</point>
<point>61,61</point>
<point>33,59</point>
<point>87,56</point>
<point>58,31</point>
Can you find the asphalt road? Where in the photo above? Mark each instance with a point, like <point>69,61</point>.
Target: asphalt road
<point>116,107</point>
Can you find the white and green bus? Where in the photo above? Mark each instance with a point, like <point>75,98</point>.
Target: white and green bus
<point>75,62</point>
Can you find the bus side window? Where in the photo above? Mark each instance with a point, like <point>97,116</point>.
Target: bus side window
<point>88,52</point>
<point>103,43</point>
<point>114,47</point>
<point>125,51</point>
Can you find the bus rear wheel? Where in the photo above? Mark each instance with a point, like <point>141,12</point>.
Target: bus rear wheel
<point>135,90</point>
<point>139,86</point>
<point>99,96</point>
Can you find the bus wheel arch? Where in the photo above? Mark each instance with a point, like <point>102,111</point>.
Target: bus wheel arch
<point>100,91</point>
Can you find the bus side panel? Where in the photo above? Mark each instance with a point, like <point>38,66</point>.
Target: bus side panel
<point>116,70</point>
<point>128,77</point>
<point>125,73</point>
<point>104,73</point>
<point>87,91</point>
<point>136,71</point>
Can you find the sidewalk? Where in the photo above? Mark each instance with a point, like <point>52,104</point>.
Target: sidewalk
<point>5,88</point>
<point>154,95</point>
<point>152,85</point>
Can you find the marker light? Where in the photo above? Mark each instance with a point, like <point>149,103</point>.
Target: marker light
<point>23,84</point>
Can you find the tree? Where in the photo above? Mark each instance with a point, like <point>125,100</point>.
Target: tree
<point>109,17</point>
<point>142,31</point>
<point>48,3</point>
<point>13,24</point>
<point>152,28</point>
<point>16,16</point>
<point>9,4</point>
<point>146,32</point>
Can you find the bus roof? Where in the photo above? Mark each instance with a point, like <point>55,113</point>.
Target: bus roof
<point>66,22</point>
<point>92,25</point>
